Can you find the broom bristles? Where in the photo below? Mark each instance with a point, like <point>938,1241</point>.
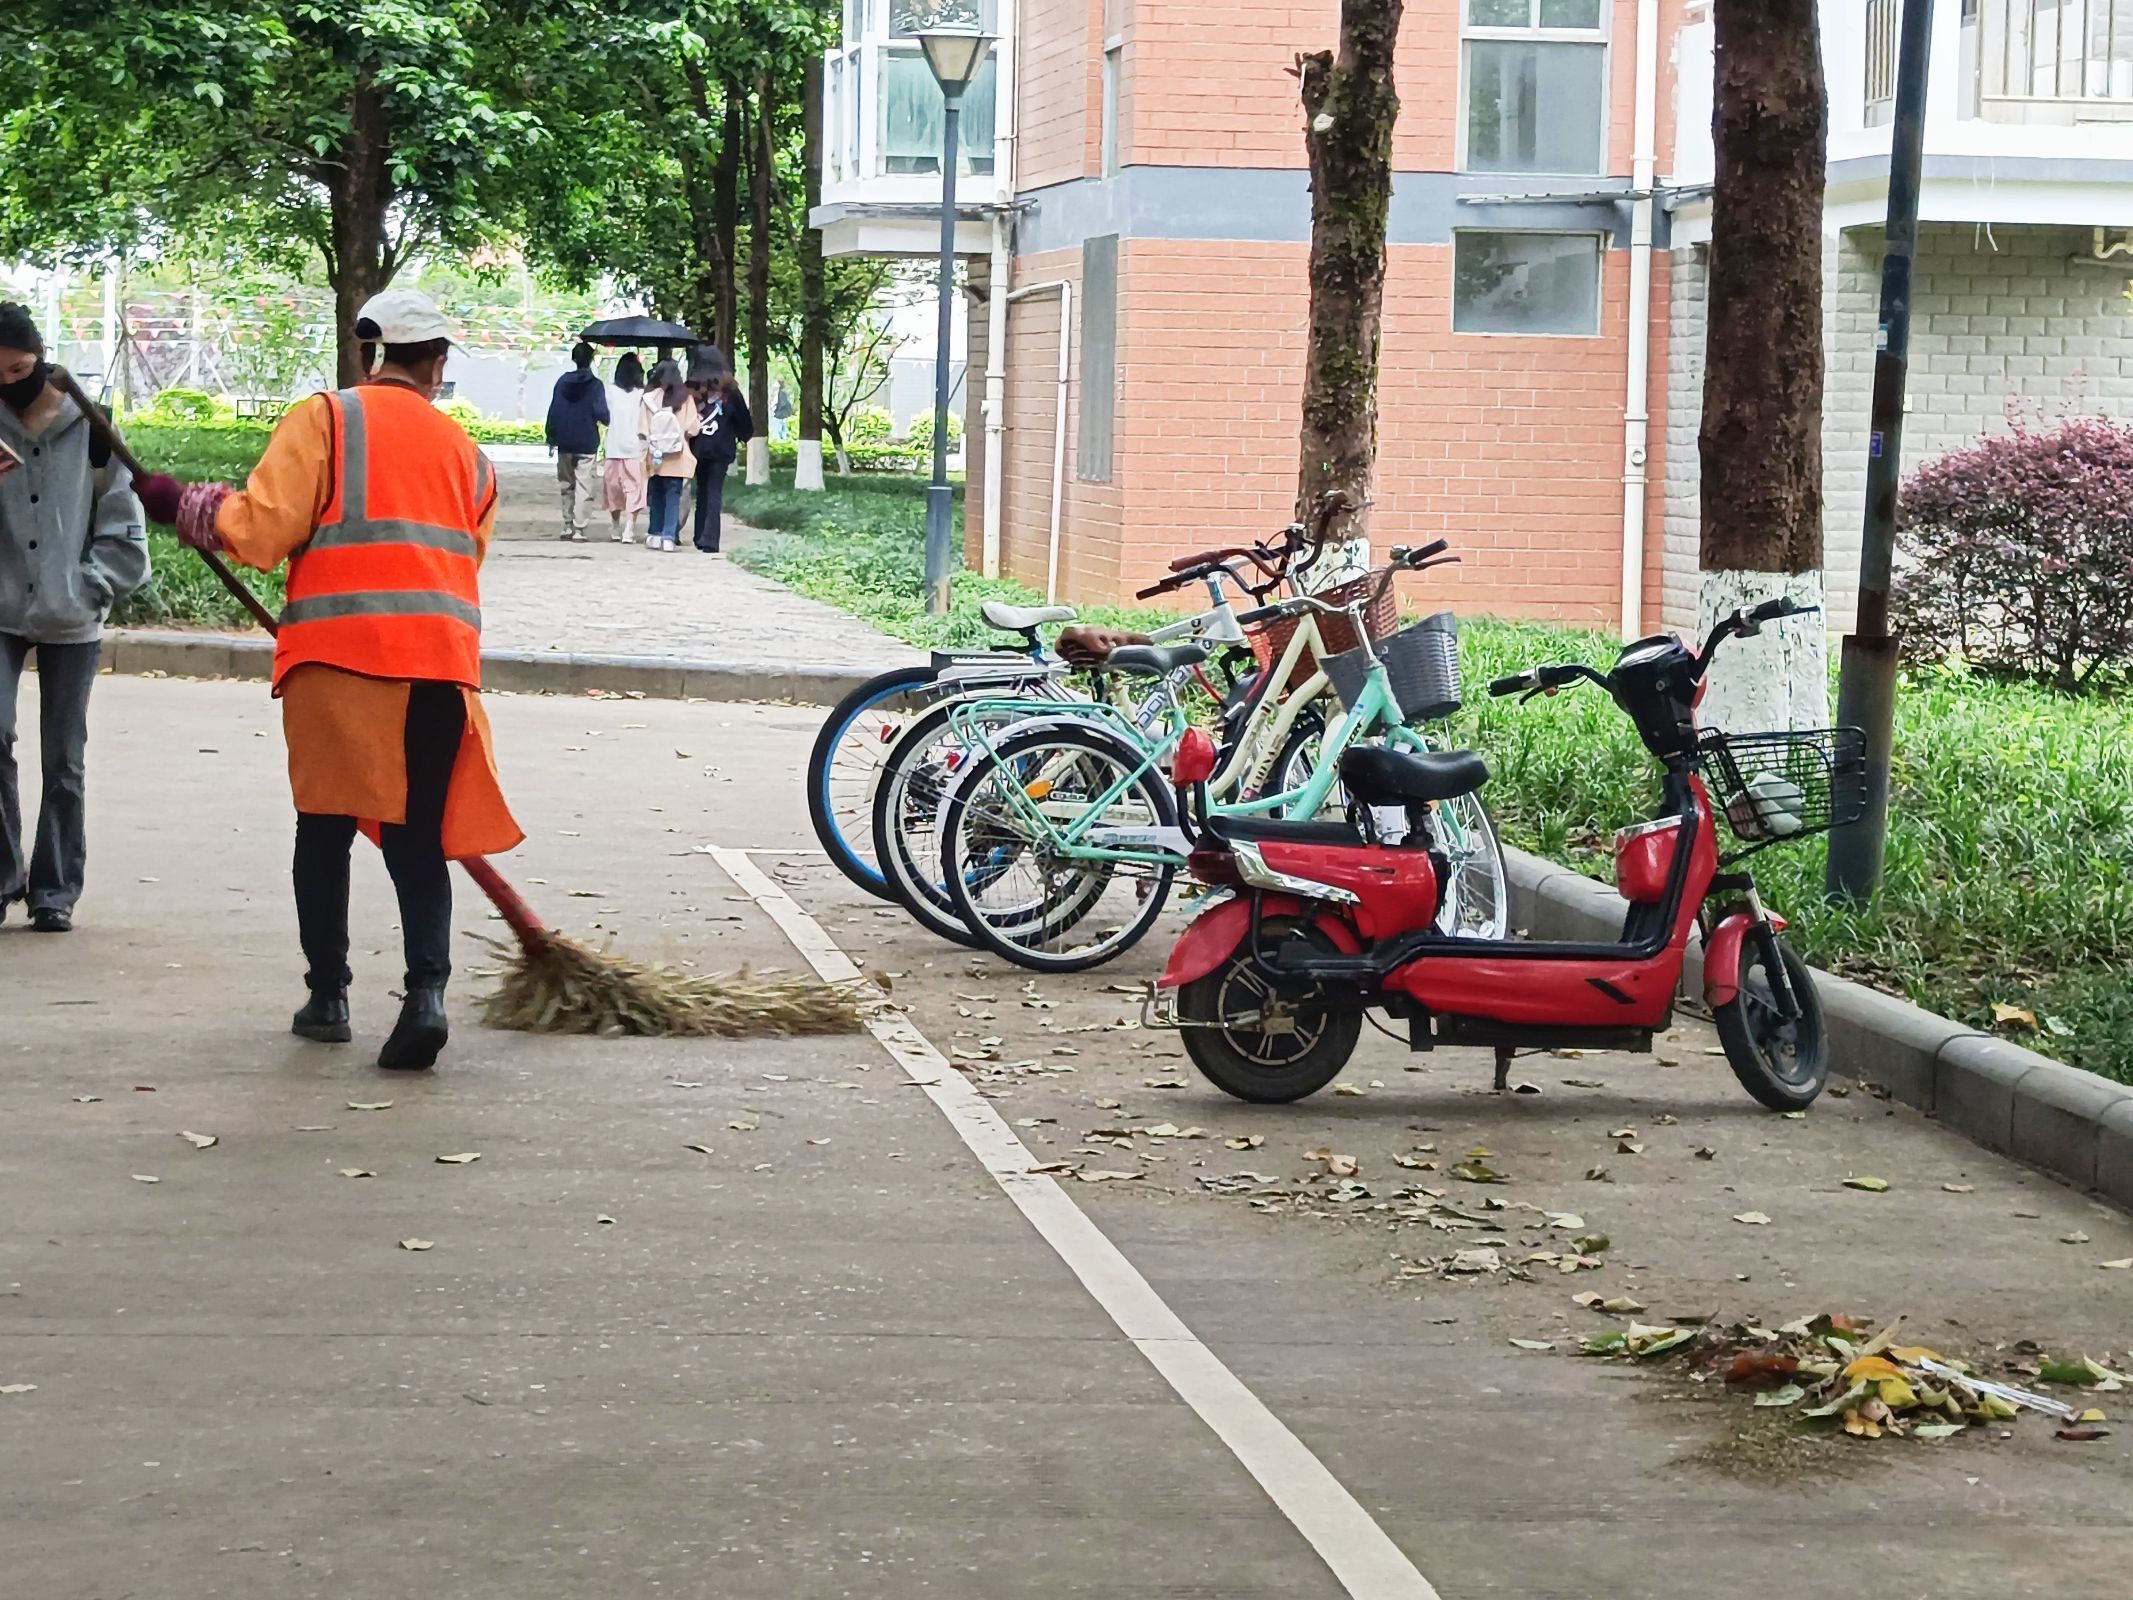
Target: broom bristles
<point>560,986</point>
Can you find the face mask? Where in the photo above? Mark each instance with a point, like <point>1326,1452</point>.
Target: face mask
<point>23,392</point>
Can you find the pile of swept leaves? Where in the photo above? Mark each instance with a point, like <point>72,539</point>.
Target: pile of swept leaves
<point>1828,1372</point>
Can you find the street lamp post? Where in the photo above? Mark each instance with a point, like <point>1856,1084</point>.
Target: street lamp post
<point>954,54</point>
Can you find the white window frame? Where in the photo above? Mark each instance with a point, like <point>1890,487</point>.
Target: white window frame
<point>1602,240</point>
<point>1603,36</point>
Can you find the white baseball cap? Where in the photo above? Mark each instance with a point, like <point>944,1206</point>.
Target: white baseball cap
<point>404,316</point>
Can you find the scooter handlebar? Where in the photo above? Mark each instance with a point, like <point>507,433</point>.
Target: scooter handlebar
<point>1516,683</point>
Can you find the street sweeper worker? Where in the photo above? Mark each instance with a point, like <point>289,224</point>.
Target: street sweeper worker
<point>383,509</point>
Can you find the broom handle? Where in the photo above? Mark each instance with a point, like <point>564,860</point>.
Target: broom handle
<point>509,903</point>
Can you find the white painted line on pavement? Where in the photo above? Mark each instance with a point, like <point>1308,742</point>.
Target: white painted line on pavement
<point>1367,1563</point>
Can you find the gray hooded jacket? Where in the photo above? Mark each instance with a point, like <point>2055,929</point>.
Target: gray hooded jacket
<point>73,538</point>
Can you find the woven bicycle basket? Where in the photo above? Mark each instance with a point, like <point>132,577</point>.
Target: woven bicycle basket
<point>1335,631</point>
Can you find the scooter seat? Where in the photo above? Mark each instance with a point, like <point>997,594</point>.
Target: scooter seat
<point>1154,660</point>
<point>1380,777</point>
<point>1020,619</point>
<point>1280,830</point>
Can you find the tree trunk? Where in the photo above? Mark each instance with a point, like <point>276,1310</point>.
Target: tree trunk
<point>762,172</point>
<point>1350,105</point>
<point>359,193</point>
<point>1760,442</point>
<point>814,314</point>
<point>726,219</point>
<point>700,187</point>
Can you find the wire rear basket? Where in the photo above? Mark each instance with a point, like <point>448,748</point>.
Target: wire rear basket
<point>1334,630</point>
<point>1775,786</point>
<point>1422,661</point>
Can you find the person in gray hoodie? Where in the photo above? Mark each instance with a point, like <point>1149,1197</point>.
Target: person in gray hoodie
<point>72,541</point>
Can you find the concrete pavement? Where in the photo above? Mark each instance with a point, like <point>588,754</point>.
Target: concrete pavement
<point>849,1367</point>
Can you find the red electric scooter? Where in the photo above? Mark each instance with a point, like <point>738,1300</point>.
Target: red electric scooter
<point>1323,921</point>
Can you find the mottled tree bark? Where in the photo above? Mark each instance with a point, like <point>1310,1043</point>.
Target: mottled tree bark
<point>359,191</point>
<point>1350,106</point>
<point>1760,444</point>
<point>762,154</point>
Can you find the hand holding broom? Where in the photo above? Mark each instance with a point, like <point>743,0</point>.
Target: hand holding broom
<point>553,984</point>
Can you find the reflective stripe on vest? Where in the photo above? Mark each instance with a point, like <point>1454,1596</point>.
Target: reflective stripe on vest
<point>393,595</point>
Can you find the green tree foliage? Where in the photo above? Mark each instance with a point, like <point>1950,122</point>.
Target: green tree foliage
<point>355,133</point>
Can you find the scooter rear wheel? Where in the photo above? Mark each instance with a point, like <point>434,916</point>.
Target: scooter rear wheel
<point>1782,1061</point>
<point>1227,1033</point>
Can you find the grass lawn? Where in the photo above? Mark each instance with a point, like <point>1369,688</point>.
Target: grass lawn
<point>2010,855</point>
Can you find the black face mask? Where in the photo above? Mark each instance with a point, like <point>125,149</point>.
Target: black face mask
<point>23,392</point>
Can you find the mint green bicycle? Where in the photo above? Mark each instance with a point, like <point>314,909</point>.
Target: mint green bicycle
<point>1062,836</point>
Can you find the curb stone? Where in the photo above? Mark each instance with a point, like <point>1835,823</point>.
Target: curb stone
<point>2072,1124</point>
<point>212,655</point>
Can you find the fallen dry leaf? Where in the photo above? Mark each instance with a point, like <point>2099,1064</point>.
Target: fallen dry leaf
<point>700,1149</point>
<point>1959,1188</point>
<point>2007,1016</point>
<point>604,1220</point>
<point>1349,1089</point>
<point>1336,1164</point>
<point>1870,1185</point>
<point>418,1244</point>
<point>744,1124</point>
<point>2125,1265</point>
<point>1754,1219</point>
<point>1532,1344</point>
<point>1706,1153</point>
<point>357,1172</point>
<point>459,1160</point>
<point>199,1141</point>
<point>2076,1237</point>
<point>1100,1175</point>
<point>87,1099</point>
<point>370,1105</point>
<point>1622,1305</point>
<point>1249,1141</point>
<point>18,1388</point>
<point>142,1177</point>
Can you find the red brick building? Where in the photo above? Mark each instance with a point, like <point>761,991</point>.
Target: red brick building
<point>1543,312</point>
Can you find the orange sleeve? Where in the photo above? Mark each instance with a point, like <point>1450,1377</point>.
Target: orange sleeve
<point>485,513</point>
<point>282,502</point>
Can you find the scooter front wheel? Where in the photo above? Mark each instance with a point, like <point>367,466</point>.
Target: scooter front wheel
<point>1265,1042</point>
<point>1782,1061</point>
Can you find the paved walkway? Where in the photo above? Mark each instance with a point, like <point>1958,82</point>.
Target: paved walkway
<point>542,595</point>
<point>712,1320</point>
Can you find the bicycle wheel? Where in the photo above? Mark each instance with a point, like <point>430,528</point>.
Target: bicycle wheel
<point>1023,897</point>
<point>845,766</point>
<point>915,779</point>
<point>1477,889</point>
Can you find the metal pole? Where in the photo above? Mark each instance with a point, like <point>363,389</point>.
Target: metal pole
<point>1866,686</point>
<point>940,499</point>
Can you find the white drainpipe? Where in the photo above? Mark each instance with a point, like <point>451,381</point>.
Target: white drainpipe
<point>1065,290</point>
<point>996,307</point>
<point>1636,407</point>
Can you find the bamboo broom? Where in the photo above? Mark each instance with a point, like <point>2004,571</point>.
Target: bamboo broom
<point>553,984</point>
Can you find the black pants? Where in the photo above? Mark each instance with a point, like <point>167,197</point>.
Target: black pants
<point>51,875</point>
<point>710,499</point>
<point>414,855</point>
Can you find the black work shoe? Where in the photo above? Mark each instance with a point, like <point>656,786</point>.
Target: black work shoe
<point>419,1035</point>
<point>50,919</point>
<point>324,1019</point>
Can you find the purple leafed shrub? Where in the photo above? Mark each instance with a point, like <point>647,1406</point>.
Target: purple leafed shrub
<point>2017,555</point>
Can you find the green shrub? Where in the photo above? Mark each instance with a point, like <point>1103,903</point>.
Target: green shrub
<point>921,429</point>
<point>492,430</point>
<point>464,412</point>
<point>180,405</point>
<point>869,425</point>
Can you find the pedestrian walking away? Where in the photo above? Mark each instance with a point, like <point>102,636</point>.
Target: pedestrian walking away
<point>383,509</point>
<point>577,411</point>
<point>72,541</point>
<point>623,484</point>
<point>727,426</point>
<point>670,421</point>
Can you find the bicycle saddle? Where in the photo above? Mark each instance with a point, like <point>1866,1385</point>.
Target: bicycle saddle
<point>1381,777</point>
<point>1155,660</point>
<point>1020,619</point>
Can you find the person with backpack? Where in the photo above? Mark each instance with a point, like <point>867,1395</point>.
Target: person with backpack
<point>72,541</point>
<point>577,411</point>
<point>670,421</point>
<point>624,485</point>
<point>727,426</point>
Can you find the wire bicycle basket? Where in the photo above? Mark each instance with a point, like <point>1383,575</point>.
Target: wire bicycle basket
<point>1335,631</point>
<point>1422,660</point>
<point>1777,786</point>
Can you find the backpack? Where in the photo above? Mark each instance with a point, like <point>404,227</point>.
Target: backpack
<point>664,438</point>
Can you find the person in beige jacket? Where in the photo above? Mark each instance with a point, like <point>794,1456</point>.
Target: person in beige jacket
<point>670,422</point>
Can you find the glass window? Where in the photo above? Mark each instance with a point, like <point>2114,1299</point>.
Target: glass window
<point>1499,13</point>
<point>911,115</point>
<point>852,103</point>
<point>1099,357</point>
<point>1584,14</point>
<point>1526,283</point>
<point>1534,106</point>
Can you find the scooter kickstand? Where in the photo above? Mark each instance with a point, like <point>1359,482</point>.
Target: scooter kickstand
<point>1503,1067</point>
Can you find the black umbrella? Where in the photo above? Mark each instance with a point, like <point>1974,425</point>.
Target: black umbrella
<point>622,331</point>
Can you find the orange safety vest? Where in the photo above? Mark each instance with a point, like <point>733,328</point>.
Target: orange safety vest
<point>387,586</point>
